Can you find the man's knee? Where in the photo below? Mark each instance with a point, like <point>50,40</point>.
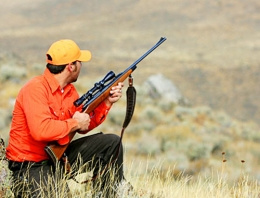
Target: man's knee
<point>113,138</point>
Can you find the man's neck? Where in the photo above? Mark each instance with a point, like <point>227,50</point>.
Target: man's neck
<point>62,80</point>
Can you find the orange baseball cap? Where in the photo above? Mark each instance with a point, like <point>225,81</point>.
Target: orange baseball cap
<point>66,51</point>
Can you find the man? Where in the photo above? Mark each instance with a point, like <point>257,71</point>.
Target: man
<point>44,112</point>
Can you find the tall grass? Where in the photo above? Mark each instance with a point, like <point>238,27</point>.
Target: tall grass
<point>153,182</point>
<point>165,184</point>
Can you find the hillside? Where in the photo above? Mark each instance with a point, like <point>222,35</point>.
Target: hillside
<point>211,53</point>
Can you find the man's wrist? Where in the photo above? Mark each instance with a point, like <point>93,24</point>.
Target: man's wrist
<point>76,126</point>
<point>108,103</point>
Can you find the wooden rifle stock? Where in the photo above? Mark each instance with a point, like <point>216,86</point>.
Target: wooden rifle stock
<point>54,150</point>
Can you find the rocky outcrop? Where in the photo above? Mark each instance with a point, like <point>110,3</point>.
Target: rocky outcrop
<point>160,87</point>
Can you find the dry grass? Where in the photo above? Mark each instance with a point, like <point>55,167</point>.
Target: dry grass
<point>153,182</point>
<point>156,181</point>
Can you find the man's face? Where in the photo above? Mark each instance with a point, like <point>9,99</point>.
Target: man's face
<point>76,71</point>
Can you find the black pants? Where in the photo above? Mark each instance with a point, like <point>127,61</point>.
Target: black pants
<point>98,152</point>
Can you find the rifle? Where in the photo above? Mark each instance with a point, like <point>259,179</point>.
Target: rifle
<point>94,97</point>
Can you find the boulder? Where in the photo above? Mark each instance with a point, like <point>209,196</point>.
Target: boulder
<point>160,87</point>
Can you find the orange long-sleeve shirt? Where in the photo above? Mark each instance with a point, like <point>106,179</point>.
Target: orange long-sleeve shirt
<point>43,113</point>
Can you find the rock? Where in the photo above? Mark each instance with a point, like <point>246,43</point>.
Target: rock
<point>160,87</point>
<point>5,173</point>
<point>2,149</point>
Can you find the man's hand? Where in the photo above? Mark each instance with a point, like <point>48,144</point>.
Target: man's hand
<point>115,94</point>
<point>83,120</point>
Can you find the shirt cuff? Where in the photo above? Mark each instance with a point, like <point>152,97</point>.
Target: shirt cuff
<point>64,140</point>
<point>104,106</point>
<point>71,123</point>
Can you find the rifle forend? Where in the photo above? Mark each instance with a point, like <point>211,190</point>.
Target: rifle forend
<point>95,96</point>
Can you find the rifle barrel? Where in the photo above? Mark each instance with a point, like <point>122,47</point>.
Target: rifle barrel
<point>162,39</point>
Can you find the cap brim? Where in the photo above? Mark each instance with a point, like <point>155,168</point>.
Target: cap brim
<point>85,56</point>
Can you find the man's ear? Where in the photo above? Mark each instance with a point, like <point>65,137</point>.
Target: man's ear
<point>70,67</point>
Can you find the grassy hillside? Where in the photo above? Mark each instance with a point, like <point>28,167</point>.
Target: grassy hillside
<point>211,54</point>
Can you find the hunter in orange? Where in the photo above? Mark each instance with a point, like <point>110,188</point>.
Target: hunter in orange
<point>44,113</point>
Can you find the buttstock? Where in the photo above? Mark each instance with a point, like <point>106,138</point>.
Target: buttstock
<point>55,151</point>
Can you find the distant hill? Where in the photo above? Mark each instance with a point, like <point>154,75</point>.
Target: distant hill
<point>211,53</point>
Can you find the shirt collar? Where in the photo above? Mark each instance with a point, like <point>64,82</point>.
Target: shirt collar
<point>53,83</point>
